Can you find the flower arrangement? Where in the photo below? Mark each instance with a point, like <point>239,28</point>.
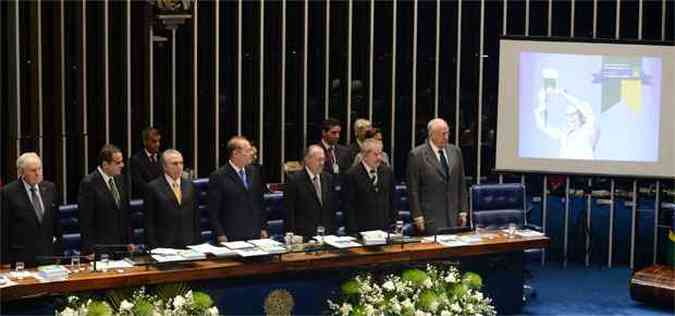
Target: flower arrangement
<point>175,299</point>
<point>436,291</point>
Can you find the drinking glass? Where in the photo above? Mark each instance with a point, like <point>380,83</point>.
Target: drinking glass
<point>75,263</point>
<point>104,262</point>
<point>18,268</point>
<point>512,230</point>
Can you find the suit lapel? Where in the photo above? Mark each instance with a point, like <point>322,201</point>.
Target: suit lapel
<point>27,200</point>
<point>103,186</point>
<point>430,158</point>
<point>169,191</point>
<point>235,177</point>
<point>310,185</point>
<point>184,191</point>
<point>365,177</point>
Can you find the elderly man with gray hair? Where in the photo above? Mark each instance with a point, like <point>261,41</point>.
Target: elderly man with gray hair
<point>309,197</point>
<point>31,231</point>
<point>436,190</point>
<point>170,205</point>
<point>369,191</point>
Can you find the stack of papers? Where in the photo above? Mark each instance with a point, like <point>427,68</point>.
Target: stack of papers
<point>244,249</point>
<point>6,282</point>
<point>446,240</point>
<point>162,255</point>
<point>113,264</point>
<point>270,246</point>
<point>529,233</point>
<point>53,273</point>
<point>341,242</point>
<point>374,237</point>
<point>216,251</point>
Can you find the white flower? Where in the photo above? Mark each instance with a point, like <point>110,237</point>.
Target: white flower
<point>213,311</point>
<point>345,309</point>
<point>445,313</point>
<point>450,278</point>
<point>126,306</point>
<point>433,306</point>
<point>369,309</point>
<point>455,308</point>
<point>68,312</point>
<point>178,302</point>
<point>395,306</point>
<point>407,304</point>
<point>389,286</point>
<point>428,284</point>
<point>421,313</point>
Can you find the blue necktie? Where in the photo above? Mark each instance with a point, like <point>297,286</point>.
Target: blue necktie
<point>242,176</point>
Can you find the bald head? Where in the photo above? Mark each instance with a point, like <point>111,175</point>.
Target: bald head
<point>438,132</point>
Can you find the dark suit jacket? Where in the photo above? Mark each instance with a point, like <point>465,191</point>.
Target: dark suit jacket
<point>368,207</point>
<point>143,170</point>
<point>433,194</point>
<point>305,212</point>
<point>236,212</point>
<point>24,237</point>
<point>355,149</point>
<point>101,220</point>
<point>343,155</point>
<point>167,223</point>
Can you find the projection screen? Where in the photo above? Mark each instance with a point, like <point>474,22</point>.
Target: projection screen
<point>586,108</point>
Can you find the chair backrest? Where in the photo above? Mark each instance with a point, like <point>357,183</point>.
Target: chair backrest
<point>498,204</point>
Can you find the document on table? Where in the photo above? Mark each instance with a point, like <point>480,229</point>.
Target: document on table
<point>341,242</point>
<point>214,250</point>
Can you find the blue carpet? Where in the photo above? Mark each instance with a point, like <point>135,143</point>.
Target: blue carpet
<point>578,290</point>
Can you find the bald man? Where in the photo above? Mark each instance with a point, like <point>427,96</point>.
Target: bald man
<point>309,196</point>
<point>436,189</point>
<point>31,231</point>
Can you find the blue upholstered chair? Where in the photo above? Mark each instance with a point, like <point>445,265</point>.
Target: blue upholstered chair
<point>496,205</point>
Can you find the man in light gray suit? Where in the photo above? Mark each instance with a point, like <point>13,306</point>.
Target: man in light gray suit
<point>436,189</point>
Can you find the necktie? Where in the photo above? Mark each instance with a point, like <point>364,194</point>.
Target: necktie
<point>35,200</point>
<point>444,162</point>
<point>317,188</point>
<point>177,192</point>
<point>115,193</point>
<point>331,157</point>
<point>242,176</point>
<point>373,177</point>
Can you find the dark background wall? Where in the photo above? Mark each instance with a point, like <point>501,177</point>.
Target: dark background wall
<point>54,74</point>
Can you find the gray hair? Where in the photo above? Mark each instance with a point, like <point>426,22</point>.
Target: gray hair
<point>310,152</point>
<point>24,158</point>
<point>369,145</point>
<point>433,123</point>
<point>169,151</point>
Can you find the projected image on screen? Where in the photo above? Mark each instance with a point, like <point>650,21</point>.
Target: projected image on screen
<point>588,107</point>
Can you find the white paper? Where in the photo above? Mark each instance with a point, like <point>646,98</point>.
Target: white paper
<point>216,251</point>
<point>529,233</point>
<point>164,251</point>
<point>341,242</point>
<point>237,245</point>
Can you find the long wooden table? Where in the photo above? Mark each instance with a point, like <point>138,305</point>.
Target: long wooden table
<point>290,262</point>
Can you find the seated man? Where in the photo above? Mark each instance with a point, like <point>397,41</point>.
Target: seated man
<point>104,204</point>
<point>170,207</point>
<point>31,231</point>
<point>144,164</point>
<point>369,192</point>
<point>309,197</point>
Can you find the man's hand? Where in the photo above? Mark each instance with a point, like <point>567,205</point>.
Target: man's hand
<point>131,247</point>
<point>419,224</point>
<point>264,234</point>
<point>221,238</point>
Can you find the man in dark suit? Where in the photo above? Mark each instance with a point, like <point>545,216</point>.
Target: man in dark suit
<point>436,189</point>
<point>170,207</point>
<point>338,157</point>
<point>309,198</point>
<point>104,203</point>
<point>144,164</point>
<point>235,196</point>
<point>369,192</point>
<point>31,231</point>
